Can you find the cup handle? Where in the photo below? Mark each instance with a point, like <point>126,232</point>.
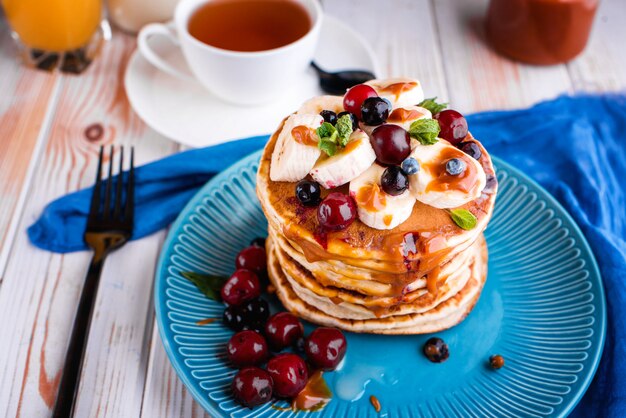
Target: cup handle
<point>168,31</point>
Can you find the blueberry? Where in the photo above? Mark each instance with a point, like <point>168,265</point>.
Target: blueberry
<point>309,193</point>
<point>258,242</point>
<point>374,111</point>
<point>410,166</point>
<point>355,120</point>
<point>393,181</point>
<point>471,149</point>
<point>233,318</point>
<point>389,103</point>
<point>436,350</point>
<point>455,166</point>
<point>329,116</point>
<point>255,313</point>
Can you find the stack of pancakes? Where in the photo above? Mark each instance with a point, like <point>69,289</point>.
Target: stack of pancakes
<point>422,276</point>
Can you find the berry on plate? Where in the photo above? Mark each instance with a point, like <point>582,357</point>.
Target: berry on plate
<point>252,386</point>
<point>325,347</point>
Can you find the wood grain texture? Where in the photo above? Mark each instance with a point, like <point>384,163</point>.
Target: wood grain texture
<point>478,78</point>
<point>402,33</point>
<point>40,290</point>
<point>165,395</point>
<point>602,65</point>
<point>27,96</point>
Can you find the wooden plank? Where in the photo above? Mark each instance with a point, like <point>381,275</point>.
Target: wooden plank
<point>403,35</point>
<point>165,395</point>
<point>478,78</point>
<point>40,290</point>
<point>602,66</point>
<point>28,96</point>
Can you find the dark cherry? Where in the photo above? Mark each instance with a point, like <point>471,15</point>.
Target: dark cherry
<point>329,116</point>
<point>394,181</point>
<point>242,286</point>
<point>452,124</point>
<point>326,347</point>
<point>247,348</point>
<point>252,386</point>
<point>233,318</point>
<point>336,212</point>
<point>496,361</point>
<point>252,258</point>
<point>309,193</point>
<point>391,144</point>
<point>258,242</point>
<point>283,330</point>
<point>375,111</point>
<point>255,313</point>
<point>436,350</point>
<point>355,120</point>
<point>471,149</point>
<point>355,97</point>
<point>289,374</point>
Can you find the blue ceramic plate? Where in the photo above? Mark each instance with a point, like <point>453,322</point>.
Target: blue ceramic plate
<point>542,308</point>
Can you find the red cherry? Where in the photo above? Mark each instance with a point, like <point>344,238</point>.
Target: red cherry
<point>252,386</point>
<point>241,287</point>
<point>355,97</point>
<point>391,144</point>
<point>289,374</point>
<point>326,347</point>
<point>252,258</point>
<point>247,348</point>
<point>283,330</point>
<point>336,212</point>
<point>453,126</point>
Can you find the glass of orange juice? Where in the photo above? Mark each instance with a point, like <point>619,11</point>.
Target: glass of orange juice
<point>64,34</point>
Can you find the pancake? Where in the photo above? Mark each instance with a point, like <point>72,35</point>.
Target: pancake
<point>376,274</point>
<point>443,316</point>
<point>436,237</point>
<point>354,306</point>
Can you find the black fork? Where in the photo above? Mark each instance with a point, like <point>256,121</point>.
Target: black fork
<point>109,226</point>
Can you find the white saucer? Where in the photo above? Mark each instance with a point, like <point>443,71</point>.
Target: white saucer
<point>187,113</point>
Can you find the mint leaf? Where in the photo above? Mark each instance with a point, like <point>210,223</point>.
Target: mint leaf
<point>463,218</point>
<point>327,132</point>
<point>344,129</point>
<point>432,105</point>
<point>327,146</point>
<point>425,131</point>
<point>209,285</point>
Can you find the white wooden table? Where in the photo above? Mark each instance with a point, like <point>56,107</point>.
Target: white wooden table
<point>44,153</point>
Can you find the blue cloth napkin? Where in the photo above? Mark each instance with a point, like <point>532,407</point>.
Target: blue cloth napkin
<point>575,147</point>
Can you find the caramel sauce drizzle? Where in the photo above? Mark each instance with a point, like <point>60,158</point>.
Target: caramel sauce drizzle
<point>398,88</point>
<point>371,197</point>
<point>206,321</point>
<point>315,394</point>
<point>401,115</point>
<point>375,403</point>
<point>442,180</point>
<point>304,135</point>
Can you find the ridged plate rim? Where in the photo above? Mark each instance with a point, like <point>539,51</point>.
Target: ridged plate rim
<point>191,383</point>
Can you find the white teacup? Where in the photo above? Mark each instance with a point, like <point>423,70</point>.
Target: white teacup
<point>237,77</point>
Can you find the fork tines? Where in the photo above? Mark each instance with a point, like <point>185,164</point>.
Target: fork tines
<point>111,208</point>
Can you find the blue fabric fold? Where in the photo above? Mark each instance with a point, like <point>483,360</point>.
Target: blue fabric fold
<point>575,147</point>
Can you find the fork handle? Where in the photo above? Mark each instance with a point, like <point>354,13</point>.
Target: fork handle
<point>68,387</point>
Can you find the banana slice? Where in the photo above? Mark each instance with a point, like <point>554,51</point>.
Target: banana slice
<point>347,164</point>
<point>406,115</point>
<point>376,208</point>
<point>319,103</point>
<point>400,91</point>
<point>296,149</point>
<point>433,186</point>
